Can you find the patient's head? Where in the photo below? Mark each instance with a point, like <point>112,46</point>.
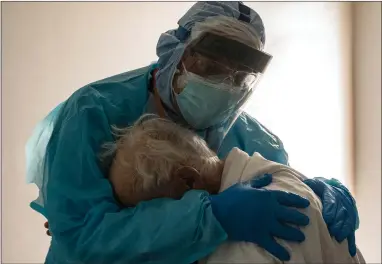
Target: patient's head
<point>157,158</point>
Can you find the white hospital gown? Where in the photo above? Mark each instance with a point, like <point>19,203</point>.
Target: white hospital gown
<point>318,246</point>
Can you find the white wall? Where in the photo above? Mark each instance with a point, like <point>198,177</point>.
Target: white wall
<point>367,98</point>
<point>304,97</point>
<point>52,49</point>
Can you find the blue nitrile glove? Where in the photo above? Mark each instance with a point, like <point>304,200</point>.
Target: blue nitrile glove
<point>258,215</point>
<point>338,209</point>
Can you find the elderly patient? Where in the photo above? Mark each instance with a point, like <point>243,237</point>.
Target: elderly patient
<point>156,158</point>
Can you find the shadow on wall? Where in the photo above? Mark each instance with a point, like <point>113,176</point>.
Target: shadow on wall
<point>367,119</point>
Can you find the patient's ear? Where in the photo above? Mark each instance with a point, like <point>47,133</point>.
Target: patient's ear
<point>184,179</point>
<point>188,174</point>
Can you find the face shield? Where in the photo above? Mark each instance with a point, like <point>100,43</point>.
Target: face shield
<point>218,73</point>
<point>221,60</point>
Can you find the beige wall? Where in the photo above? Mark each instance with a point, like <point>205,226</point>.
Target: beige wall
<point>52,49</point>
<point>367,98</point>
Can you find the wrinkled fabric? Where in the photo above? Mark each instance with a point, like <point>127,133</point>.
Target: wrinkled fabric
<point>35,152</point>
<point>267,214</point>
<point>318,246</point>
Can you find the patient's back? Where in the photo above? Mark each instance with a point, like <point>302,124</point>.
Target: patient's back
<point>318,246</point>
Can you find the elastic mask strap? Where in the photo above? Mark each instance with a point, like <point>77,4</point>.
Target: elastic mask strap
<point>158,101</point>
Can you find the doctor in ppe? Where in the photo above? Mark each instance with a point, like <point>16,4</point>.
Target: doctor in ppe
<point>207,69</point>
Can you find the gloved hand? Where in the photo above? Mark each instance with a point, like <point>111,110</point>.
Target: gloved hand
<point>255,215</point>
<point>338,209</point>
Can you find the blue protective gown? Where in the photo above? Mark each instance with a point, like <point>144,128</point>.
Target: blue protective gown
<point>87,224</point>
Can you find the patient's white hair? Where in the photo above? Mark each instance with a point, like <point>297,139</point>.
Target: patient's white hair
<point>148,153</point>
